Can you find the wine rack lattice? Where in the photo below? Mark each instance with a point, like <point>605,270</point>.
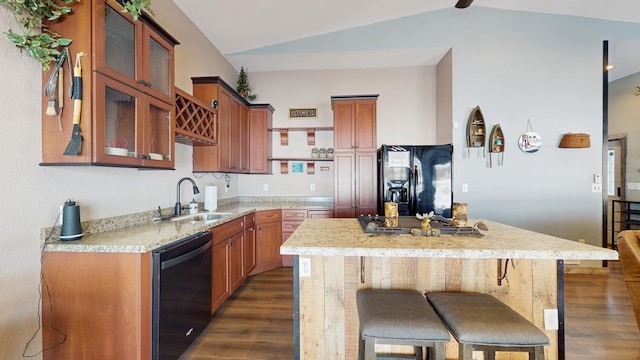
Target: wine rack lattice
<point>196,122</point>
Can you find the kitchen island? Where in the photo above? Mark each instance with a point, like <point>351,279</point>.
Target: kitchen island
<point>333,258</point>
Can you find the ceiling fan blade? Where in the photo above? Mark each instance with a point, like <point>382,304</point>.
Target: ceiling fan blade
<point>463,4</point>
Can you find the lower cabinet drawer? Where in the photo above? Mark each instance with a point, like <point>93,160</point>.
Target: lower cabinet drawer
<point>268,216</point>
<point>290,226</point>
<point>226,230</point>
<point>294,214</point>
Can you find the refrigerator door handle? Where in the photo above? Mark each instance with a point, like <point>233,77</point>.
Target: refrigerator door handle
<point>412,189</point>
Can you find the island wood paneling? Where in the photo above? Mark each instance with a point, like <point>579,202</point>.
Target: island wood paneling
<point>328,314</point>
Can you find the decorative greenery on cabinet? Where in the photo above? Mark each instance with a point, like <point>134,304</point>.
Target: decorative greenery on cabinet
<point>36,39</point>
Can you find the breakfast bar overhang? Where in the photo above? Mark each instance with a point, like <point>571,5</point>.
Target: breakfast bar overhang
<point>338,258</point>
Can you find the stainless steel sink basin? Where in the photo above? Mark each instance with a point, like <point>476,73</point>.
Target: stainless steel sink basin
<point>201,217</point>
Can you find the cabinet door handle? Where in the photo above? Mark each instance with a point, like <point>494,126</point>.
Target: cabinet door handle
<point>250,229</point>
<point>143,82</point>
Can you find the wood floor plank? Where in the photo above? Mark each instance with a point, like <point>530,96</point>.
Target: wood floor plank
<point>599,319</point>
<point>257,321</point>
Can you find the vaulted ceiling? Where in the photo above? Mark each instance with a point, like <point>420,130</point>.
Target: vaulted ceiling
<point>236,27</point>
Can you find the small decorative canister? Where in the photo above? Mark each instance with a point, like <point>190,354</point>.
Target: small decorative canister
<point>459,214</point>
<point>391,214</point>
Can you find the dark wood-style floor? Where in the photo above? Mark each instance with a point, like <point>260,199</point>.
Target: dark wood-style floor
<point>256,323</point>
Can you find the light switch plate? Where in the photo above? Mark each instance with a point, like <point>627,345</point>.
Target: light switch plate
<point>551,319</point>
<point>304,267</point>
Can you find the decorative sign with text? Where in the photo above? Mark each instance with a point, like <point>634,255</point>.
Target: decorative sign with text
<point>303,113</point>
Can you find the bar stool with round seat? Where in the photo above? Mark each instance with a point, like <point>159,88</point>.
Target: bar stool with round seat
<point>399,317</point>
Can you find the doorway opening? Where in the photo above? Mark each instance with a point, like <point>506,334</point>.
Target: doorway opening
<point>616,183</point>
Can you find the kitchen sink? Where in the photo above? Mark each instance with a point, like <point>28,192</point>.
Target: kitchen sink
<point>201,217</point>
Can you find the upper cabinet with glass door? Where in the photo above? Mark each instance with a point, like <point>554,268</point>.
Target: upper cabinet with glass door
<point>138,53</point>
<point>128,111</point>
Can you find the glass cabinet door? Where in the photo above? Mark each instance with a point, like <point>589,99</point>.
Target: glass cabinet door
<point>159,134</point>
<point>158,62</point>
<point>117,135</point>
<point>118,42</point>
<point>119,123</point>
<point>159,67</point>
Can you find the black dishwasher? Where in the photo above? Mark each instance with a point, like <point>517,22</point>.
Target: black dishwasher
<point>181,301</point>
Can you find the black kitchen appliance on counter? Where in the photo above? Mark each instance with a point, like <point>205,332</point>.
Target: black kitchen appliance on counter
<point>418,178</point>
<point>181,303</point>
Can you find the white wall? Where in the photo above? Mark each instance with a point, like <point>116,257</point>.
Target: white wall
<point>405,110</point>
<point>555,81</point>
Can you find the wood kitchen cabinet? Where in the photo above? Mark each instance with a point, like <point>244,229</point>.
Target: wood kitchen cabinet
<point>355,156</point>
<point>228,261</point>
<point>261,141</point>
<point>102,301</point>
<point>291,219</point>
<point>244,142</point>
<point>128,96</point>
<point>268,240</point>
<point>354,123</point>
<point>355,184</point>
<point>319,213</point>
<point>219,283</point>
<point>231,154</point>
<point>249,244</point>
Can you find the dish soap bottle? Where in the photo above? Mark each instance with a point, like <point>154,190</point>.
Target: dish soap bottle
<point>193,207</point>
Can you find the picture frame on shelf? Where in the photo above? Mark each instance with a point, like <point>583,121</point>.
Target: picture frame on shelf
<point>297,167</point>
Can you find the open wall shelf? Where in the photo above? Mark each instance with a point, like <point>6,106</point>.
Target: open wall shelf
<point>311,133</point>
<point>311,163</point>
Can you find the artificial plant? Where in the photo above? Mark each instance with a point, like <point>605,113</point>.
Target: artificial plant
<point>243,87</point>
<point>36,39</point>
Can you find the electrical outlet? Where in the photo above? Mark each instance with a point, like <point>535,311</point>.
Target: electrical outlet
<point>596,188</point>
<point>465,187</point>
<point>265,187</point>
<point>597,178</point>
<point>551,319</point>
<point>304,267</point>
<point>312,187</point>
<point>633,186</point>
<point>226,187</point>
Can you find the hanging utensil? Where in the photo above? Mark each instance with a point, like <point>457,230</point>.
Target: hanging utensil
<point>60,96</point>
<point>52,83</point>
<point>73,147</point>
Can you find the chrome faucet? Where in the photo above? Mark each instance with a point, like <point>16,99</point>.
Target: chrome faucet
<point>178,208</point>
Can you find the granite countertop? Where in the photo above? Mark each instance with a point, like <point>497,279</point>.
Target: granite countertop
<point>344,237</point>
<point>123,237</point>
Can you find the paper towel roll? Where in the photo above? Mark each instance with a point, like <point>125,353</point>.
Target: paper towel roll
<point>210,197</point>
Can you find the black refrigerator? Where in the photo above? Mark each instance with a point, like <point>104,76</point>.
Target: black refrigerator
<point>418,178</point>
